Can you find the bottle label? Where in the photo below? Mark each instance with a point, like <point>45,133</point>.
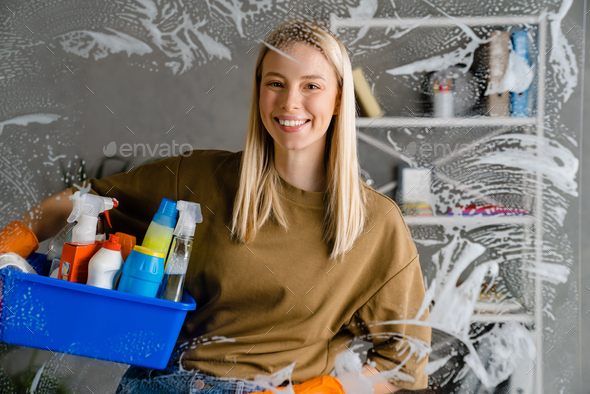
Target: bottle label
<point>65,270</point>
<point>54,265</point>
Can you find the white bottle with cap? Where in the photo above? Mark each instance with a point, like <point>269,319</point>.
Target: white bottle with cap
<point>105,264</point>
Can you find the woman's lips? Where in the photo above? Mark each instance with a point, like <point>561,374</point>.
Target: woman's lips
<point>292,129</point>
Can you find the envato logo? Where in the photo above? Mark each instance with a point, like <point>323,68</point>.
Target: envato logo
<point>441,151</point>
<point>161,150</point>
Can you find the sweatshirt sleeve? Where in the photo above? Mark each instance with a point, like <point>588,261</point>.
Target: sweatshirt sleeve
<point>402,348</point>
<point>139,193</point>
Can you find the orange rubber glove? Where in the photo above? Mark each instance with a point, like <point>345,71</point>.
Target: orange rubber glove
<point>19,239</point>
<point>324,384</point>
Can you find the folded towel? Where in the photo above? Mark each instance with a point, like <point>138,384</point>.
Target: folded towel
<point>14,261</point>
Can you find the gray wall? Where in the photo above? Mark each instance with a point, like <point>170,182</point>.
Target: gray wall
<point>151,103</point>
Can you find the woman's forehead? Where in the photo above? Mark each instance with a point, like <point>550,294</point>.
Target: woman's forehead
<point>298,56</point>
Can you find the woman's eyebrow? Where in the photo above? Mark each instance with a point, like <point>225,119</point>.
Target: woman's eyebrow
<point>312,76</point>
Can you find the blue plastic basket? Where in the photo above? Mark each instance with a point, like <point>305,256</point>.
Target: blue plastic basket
<point>52,314</point>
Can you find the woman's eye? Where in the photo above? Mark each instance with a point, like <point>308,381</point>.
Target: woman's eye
<point>278,84</point>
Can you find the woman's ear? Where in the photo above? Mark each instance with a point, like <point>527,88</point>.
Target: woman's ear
<point>337,105</point>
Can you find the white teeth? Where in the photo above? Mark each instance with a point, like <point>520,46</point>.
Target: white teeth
<point>292,122</point>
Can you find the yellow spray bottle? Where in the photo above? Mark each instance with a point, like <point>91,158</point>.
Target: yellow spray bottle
<point>159,233</point>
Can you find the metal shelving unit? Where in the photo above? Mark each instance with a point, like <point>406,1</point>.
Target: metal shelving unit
<point>485,121</point>
<point>536,122</point>
<point>469,222</point>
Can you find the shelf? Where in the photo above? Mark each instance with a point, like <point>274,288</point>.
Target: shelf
<point>445,122</point>
<point>469,221</point>
<point>502,318</point>
<point>507,306</point>
<point>500,20</point>
<point>486,312</point>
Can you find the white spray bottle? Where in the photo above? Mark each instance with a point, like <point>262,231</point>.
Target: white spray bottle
<point>87,207</point>
<point>65,235</point>
<point>182,244</point>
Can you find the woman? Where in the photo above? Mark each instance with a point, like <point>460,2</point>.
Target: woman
<point>296,254</point>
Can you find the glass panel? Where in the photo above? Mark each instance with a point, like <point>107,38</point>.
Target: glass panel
<point>484,163</point>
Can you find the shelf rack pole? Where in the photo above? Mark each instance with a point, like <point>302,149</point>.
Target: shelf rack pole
<point>538,306</point>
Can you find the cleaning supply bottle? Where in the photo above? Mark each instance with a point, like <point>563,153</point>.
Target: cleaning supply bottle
<point>159,233</point>
<point>175,271</point>
<point>142,272</point>
<point>105,264</point>
<point>87,207</point>
<point>75,258</point>
<point>127,244</point>
<point>82,203</point>
<point>55,247</point>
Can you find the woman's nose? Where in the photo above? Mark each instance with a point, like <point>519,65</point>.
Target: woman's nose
<point>291,99</point>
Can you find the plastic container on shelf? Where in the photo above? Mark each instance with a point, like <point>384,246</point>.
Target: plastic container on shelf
<point>74,318</point>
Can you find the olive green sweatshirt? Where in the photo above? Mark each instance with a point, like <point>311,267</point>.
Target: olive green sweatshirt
<point>279,299</point>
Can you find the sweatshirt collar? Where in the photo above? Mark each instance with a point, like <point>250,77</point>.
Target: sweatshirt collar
<point>315,199</point>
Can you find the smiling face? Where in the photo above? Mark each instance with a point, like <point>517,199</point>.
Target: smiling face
<point>305,90</point>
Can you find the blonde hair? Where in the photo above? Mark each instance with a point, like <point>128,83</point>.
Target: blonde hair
<point>257,198</point>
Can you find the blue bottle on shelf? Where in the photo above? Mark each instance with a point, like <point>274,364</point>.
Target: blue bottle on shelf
<point>520,101</point>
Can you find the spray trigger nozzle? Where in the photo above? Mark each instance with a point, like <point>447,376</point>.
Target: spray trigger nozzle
<point>91,205</point>
<point>190,215</point>
<point>106,214</point>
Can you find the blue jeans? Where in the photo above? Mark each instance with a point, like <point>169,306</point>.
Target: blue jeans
<point>139,380</point>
